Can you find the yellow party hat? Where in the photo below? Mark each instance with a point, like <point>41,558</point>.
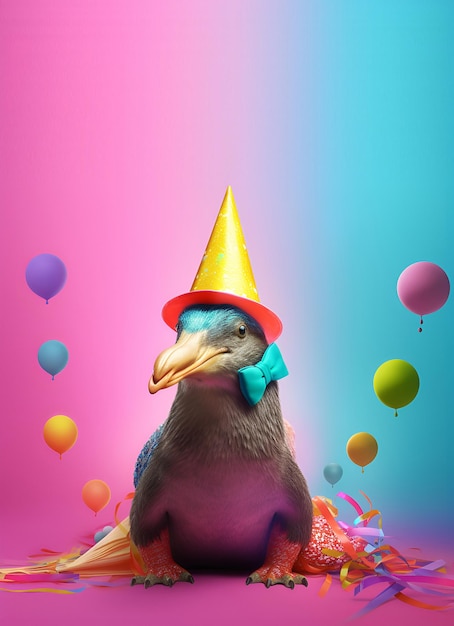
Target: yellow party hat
<point>225,275</point>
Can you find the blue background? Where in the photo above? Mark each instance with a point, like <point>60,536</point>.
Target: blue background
<point>369,191</point>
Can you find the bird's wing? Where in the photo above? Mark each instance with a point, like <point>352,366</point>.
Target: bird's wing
<point>147,452</point>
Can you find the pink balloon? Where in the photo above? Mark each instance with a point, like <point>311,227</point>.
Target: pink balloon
<point>423,287</point>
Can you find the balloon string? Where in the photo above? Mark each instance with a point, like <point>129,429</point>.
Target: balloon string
<point>362,470</point>
<point>421,322</point>
<point>396,413</point>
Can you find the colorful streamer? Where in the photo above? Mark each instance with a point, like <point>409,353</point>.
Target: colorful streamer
<point>384,564</point>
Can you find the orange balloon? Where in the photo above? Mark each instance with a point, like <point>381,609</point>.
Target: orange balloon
<point>60,433</point>
<point>362,449</point>
<point>96,494</point>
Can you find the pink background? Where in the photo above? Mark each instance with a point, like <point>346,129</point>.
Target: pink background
<point>122,123</point>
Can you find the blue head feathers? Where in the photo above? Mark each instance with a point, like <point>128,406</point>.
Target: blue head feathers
<point>215,318</point>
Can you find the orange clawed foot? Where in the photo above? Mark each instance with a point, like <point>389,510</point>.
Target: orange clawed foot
<point>280,557</point>
<point>160,567</point>
<point>166,579</point>
<point>271,577</point>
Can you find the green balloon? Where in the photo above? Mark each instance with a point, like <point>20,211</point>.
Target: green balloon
<point>396,383</point>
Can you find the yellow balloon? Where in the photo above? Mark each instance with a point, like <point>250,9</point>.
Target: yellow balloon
<point>60,433</point>
<point>362,449</point>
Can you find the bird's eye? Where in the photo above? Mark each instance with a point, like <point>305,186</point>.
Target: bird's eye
<point>242,331</point>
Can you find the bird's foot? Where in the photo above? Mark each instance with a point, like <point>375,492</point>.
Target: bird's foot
<point>280,558</point>
<point>276,576</point>
<point>159,565</point>
<point>168,579</point>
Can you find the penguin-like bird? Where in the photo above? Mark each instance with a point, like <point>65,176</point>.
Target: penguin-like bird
<point>222,489</point>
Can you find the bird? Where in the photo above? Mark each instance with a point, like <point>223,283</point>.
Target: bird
<point>220,488</point>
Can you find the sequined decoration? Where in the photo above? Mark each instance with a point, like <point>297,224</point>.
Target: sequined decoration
<point>323,538</point>
<point>145,455</point>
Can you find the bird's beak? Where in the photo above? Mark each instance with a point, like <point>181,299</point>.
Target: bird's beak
<point>187,356</point>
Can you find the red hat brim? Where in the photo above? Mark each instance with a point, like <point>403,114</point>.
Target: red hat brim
<point>269,321</point>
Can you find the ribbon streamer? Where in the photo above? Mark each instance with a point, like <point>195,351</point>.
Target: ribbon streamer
<point>44,590</point>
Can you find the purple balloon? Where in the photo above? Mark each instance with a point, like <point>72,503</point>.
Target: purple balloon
<point>46,275</point>
<point>423,287</point>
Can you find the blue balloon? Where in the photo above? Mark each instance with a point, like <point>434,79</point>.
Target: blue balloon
<point>53,356</point>
<point>102,533</point>
<point>333,472</point>
<point>46,275</point>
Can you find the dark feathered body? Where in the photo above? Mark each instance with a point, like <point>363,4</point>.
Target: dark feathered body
<point>218,481</point>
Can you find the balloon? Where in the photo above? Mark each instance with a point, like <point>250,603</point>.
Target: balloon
<point>53,356</point>
<point>96,494</point>
<point>333,473</point>
<point>362,449</point>
<point>423,288</point>
<point>396,383</point>
<point>60,433</point>
<point>46,275</point>
<point>102,533</point>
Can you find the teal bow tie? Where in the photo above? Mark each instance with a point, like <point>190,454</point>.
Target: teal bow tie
<point>255,378</point>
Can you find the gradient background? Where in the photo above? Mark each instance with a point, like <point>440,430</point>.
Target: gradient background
<point>122,122</point>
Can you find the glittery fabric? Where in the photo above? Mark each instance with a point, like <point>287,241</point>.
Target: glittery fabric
<point>323,538</point>
<point>147,452</point>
